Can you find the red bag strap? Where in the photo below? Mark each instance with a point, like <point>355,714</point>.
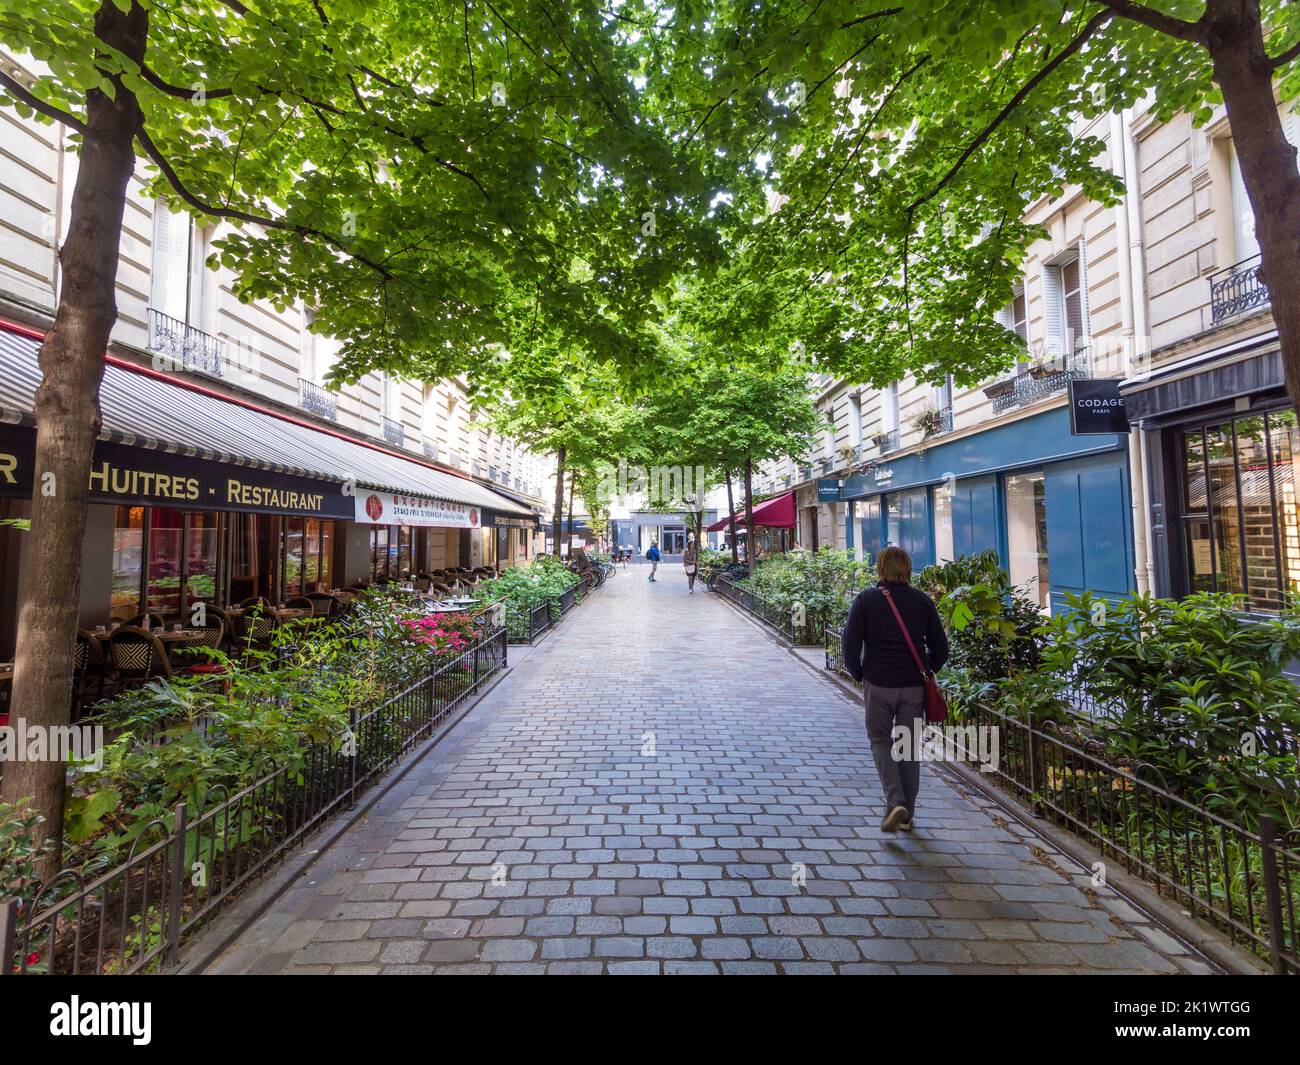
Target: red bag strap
<point>925,673</point>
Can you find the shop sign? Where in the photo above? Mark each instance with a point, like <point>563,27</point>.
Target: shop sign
<point>828,491</point>
<point>123,474</point>
<point>1097,407</point>
<point>388,508</point>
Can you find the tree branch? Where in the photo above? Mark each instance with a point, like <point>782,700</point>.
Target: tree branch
<point>173,179</point>
<point>1156,20</point>
<point>1094,24</point>
<point>20,92</point>
<point>1286,57</point>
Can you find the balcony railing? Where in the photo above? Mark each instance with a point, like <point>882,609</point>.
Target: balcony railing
<point>318,400</point>
<point>431,450</point>
<point>1237,289</point>
<point>394,432</point>
<point>887,442</point>
<point>1038,381</point>
<point>177,345</point>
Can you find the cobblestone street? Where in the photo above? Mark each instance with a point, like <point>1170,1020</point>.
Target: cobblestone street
<point>639,794</point>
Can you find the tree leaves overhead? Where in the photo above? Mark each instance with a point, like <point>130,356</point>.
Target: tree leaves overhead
<point>845,180</point>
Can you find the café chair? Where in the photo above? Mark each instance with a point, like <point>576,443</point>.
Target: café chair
<point>136,655</point>
<point>255,627</point>
<point>255,600</point>
<point>324,605</point>
<point>300,602</point>
<point>90,671</point>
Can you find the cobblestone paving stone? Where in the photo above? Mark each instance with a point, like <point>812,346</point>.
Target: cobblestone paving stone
<point>542,835</point>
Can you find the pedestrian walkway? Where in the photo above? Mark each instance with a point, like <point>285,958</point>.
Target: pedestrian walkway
<point>659,787</point>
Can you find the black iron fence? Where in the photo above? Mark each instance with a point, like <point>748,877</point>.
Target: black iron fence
<point>795,623</point>
<point>1245,881</point>
<point>524,624</point>
<point>132,917</point>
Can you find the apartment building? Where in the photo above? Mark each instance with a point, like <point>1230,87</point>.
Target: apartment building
<point>1160,294</point>
<point>379,480</point>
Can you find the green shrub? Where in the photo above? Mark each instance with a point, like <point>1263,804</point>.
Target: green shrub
<point>825,582</point>
<point>1188,692</point>
<point>993,630</point>
<point>520,588</point>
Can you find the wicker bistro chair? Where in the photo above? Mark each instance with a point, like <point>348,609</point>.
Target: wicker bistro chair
<point>136,655</point>
<point>91,672</point>
<point>324,605</point>
<point>300,602</point>
<point>255,628</point>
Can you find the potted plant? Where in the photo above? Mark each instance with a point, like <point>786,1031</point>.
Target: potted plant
<point>929,421</point>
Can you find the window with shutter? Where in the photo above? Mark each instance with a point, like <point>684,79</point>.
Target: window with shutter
<point>890,413</point>
<point>1243,217</point>
<point>170,272</point>
<point>1072,297</point>
<point>1054,312</point>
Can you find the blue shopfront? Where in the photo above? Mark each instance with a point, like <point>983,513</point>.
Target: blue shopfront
<point>1055,506</point>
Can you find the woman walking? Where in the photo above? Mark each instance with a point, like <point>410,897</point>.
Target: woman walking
<point>877,652</point>
<point>690,561</point>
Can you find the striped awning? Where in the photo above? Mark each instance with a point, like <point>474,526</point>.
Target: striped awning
<point>145,411</point>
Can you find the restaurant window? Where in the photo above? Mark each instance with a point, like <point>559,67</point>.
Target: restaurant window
<point>183,549</point>
<point>1239,508</point>
<point>128,556</point>
<point>250,569</point>
<point>1027,536</point>
<point>379,553</point>
<point>308,551</point>
<point>405,550</point>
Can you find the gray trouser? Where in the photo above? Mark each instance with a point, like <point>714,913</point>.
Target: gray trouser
<point>887,708</point>
<point>654,568</point>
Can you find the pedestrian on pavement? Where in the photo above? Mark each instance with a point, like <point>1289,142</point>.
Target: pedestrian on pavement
<point>653,556</point>
<point>690,560</point>
<point>876,652</point>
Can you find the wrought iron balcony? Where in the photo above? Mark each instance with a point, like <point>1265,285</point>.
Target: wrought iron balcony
<point>394,431</point>
<point>1236,290</point>
<point>431,450</point>
<point>177,345</point>
<point>887,442</point>
<point>318,400</point>
<point>1039,380</point>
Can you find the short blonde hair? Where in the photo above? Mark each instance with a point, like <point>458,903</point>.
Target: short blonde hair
<point>894,564</point>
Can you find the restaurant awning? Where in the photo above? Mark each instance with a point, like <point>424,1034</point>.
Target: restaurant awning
<point>776,513</point>
<point>143,409</point>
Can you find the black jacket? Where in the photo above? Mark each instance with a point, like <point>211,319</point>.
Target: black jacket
<point>874,649</point>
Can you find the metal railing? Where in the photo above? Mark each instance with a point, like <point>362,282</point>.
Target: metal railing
<point>1246,882</point>
<point>1041,380</point>
<point>887,442</point>
<point>795,624</point>
<point>133,917</point>
<point>1237,289</point>
<point>177,345</point>
<point>394,432</point>
<point>318,400</point>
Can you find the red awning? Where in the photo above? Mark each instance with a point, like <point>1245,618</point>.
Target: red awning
<point>778,513</point>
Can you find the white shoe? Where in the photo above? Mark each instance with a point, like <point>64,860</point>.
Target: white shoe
<point>897,817</point>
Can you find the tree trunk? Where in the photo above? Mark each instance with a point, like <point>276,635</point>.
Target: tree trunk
<point>558,519</point>
<point>1245,74</point>
<point>750,544</point>
<point>731,514</point>
<point>573,483</point>
<point>68,422</point>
